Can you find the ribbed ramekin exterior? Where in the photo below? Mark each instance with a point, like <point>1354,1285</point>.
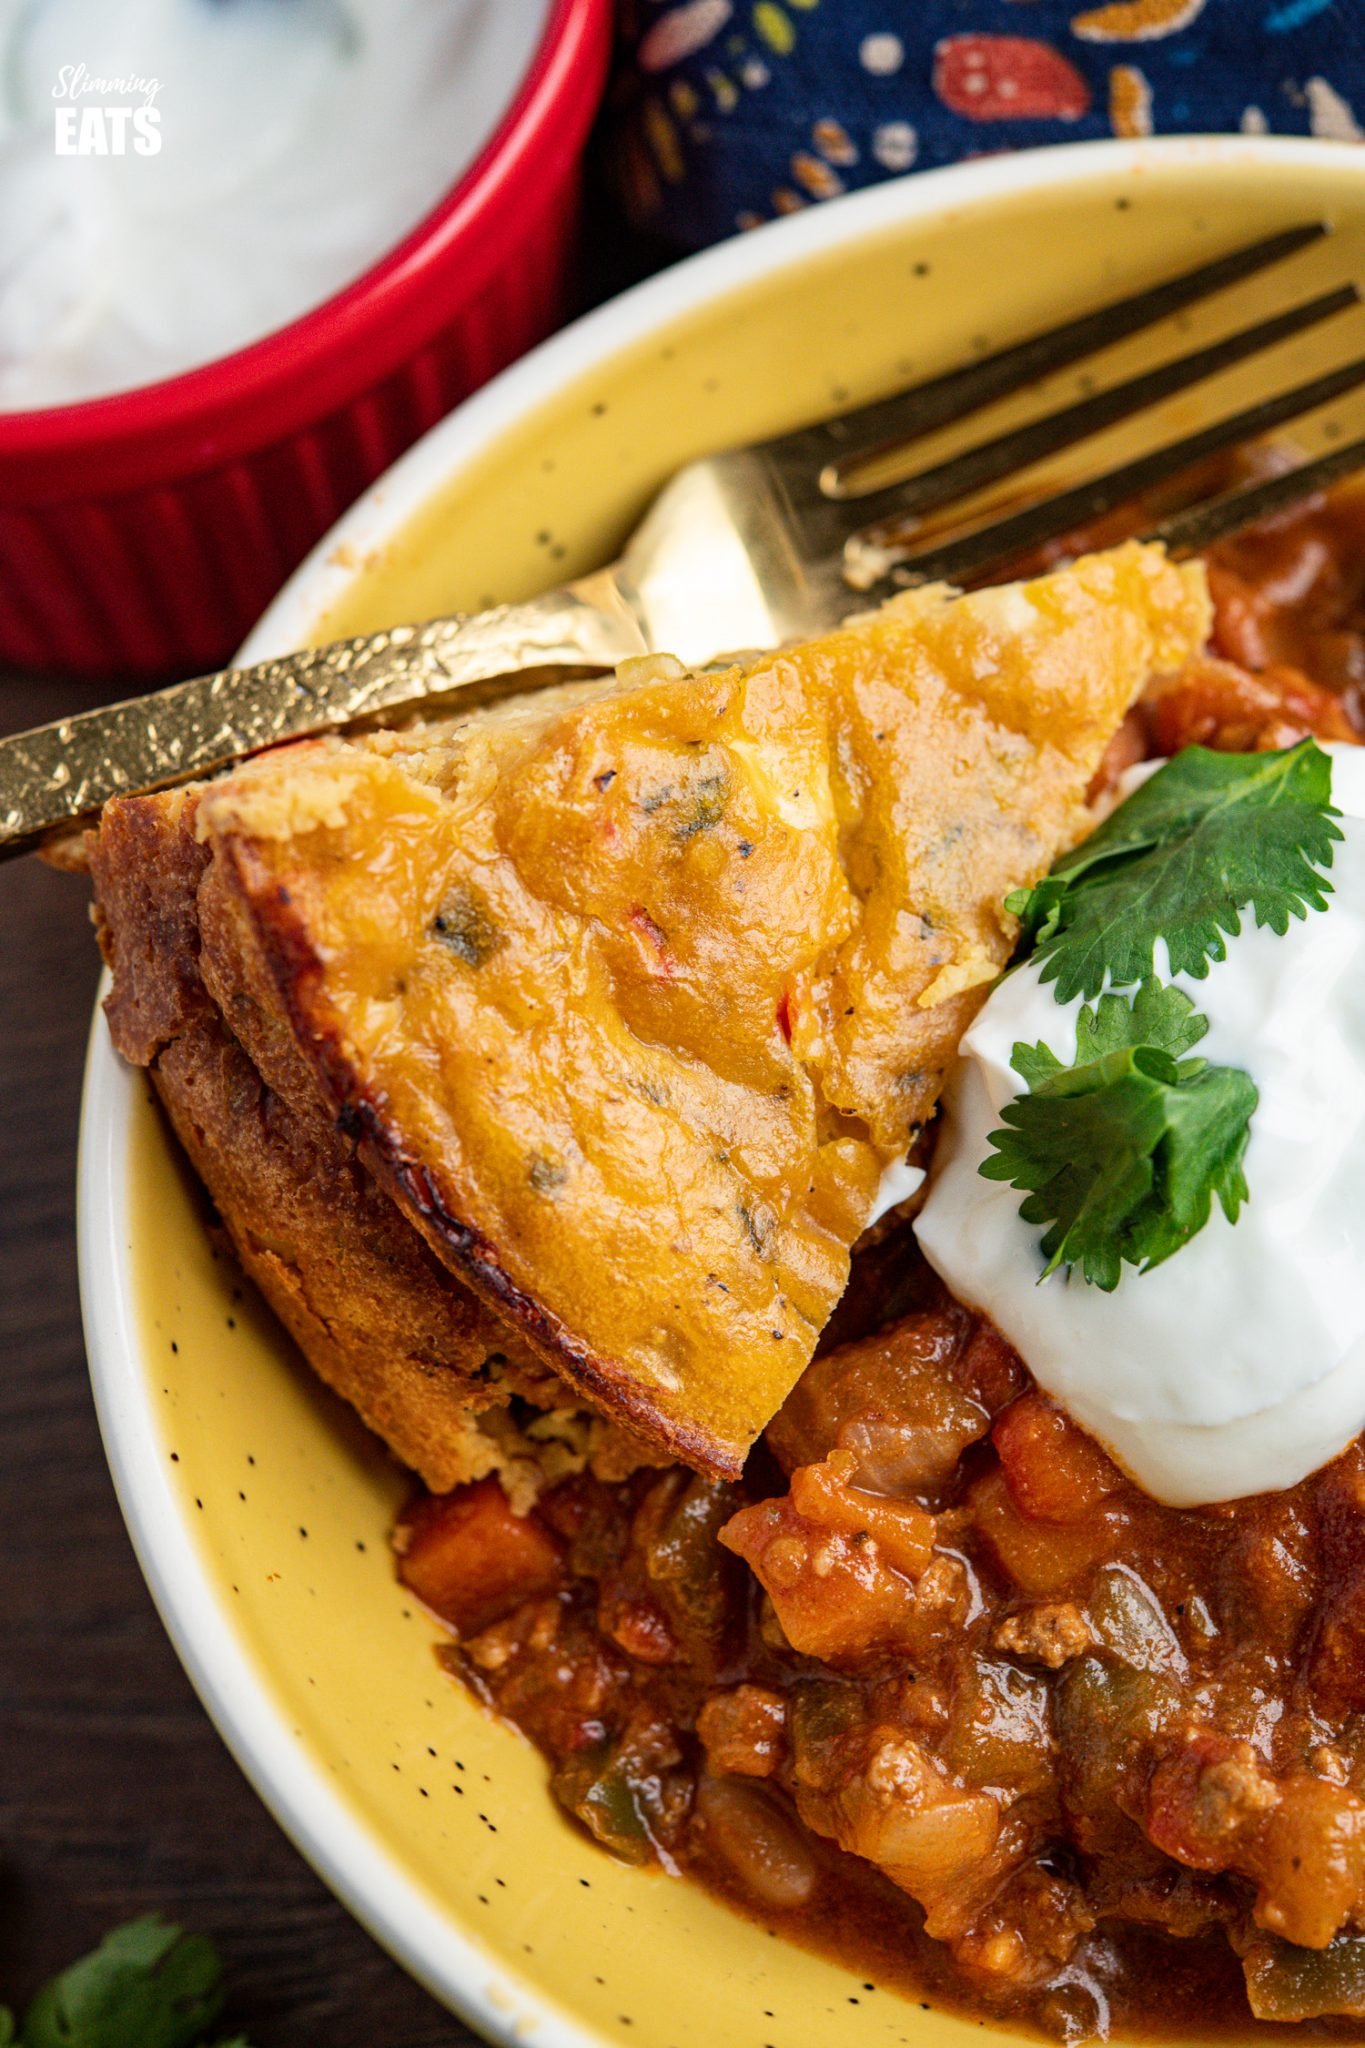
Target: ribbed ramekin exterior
<point>164,578</point>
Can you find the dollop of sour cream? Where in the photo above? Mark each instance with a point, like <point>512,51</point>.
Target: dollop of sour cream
<point>296,141</point>
<point>1238,1366</point>
<point>899,1181</point>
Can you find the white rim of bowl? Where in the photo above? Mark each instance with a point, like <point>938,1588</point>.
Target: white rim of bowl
<point>349,1858</point>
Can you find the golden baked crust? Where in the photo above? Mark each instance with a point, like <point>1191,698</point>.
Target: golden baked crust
<point>380,1319</point>
<point>629,992</point>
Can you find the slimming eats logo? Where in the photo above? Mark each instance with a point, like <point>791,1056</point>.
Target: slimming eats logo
<point>84,128</point>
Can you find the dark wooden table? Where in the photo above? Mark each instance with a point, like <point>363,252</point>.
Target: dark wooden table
<point>116,1795</point>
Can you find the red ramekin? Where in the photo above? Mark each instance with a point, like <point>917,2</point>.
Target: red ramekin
<point>141,534</point>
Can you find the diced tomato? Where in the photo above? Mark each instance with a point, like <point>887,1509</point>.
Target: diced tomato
<point>1124,751</point>
<point>743,1731</point>
<point>1217,704</point>
<point>990,1369</point>
<point>1242,618</point>
<point>1203,1796</point>
<point>657,953</point>
<point>471,1560</point>
<point>638,1625</point>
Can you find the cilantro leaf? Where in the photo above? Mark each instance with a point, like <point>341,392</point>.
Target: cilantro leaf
<point>6,2027</point>
<point>1155,1016</point>
<point>147,1985</point>
<point>1207,837</point>
<point>1122,1154</point>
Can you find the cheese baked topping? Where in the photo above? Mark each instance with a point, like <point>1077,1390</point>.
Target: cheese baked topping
<point>632,991</point>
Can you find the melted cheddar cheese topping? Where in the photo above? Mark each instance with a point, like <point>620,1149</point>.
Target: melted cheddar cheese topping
<point>632,989</point>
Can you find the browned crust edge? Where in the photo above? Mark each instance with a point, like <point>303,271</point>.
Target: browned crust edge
<point>298,975</point>
<point>242,1134</point>
<point>476,1262</point>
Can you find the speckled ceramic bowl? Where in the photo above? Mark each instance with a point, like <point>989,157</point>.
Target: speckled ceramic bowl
<point>259,1509</point>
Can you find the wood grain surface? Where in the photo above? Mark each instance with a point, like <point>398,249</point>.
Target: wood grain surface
<point>116,1795</point>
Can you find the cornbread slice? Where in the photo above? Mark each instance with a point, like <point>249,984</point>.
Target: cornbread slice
<point>627,993</point>
<point>378,1316</point>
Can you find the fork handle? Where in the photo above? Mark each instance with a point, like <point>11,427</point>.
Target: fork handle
<point>58,774</point>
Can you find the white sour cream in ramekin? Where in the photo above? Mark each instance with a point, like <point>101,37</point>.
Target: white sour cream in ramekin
<point>296,141</point>
<point>1238,1366</point>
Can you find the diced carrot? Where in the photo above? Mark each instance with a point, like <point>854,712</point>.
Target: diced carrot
<point>1044,1559</point>
<point>903,1531</point>
<point>471,1560</point>
<point>834,1595</point>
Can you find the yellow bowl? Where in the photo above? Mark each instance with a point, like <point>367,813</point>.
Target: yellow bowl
<point>260,1510</point>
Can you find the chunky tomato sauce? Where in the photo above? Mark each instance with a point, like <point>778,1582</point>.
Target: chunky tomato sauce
<point>937,1687</point>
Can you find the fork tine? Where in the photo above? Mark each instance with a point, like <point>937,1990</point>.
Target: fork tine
<point>1196,528</point>
<point>1020,532</point>
<point>957,393</point>
<point>987,461</point>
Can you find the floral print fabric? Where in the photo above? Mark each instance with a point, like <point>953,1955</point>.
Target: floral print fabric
<point>733,111</point>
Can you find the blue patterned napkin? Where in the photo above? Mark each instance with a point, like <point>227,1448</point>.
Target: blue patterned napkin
<point>731,112</point>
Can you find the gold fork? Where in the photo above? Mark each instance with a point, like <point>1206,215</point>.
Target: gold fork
<point>741,551</point>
